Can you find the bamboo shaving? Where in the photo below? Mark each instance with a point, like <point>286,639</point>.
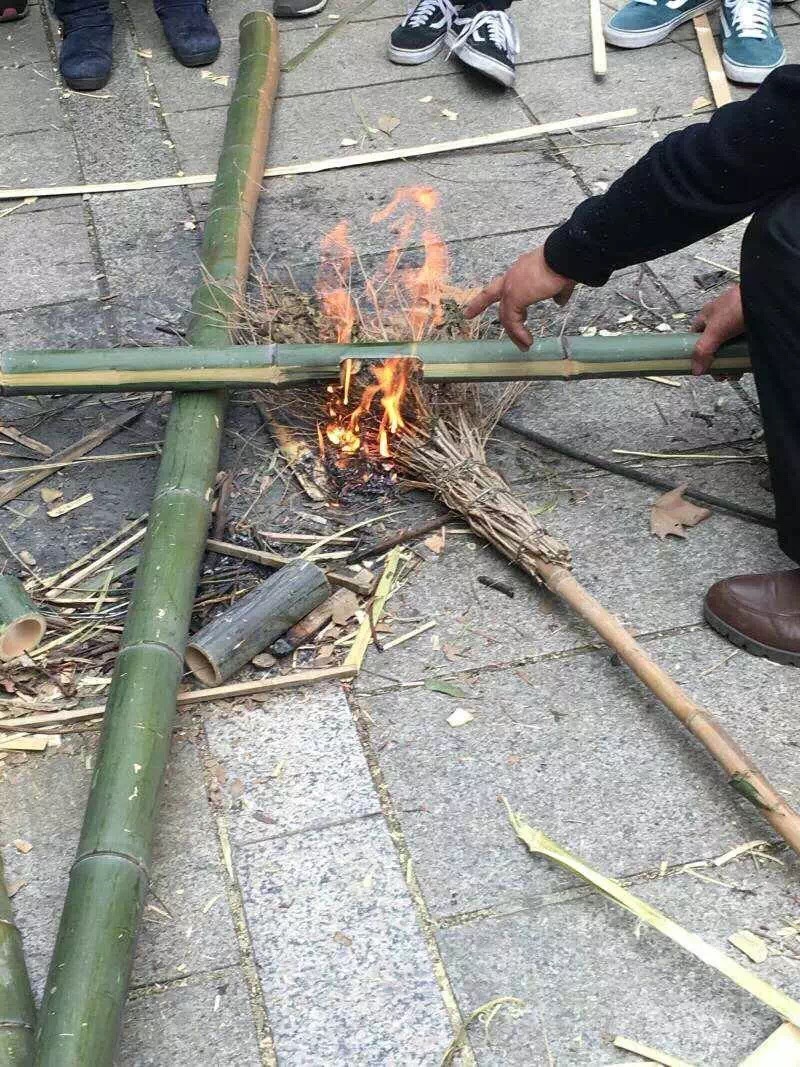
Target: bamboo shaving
<point>386,586</point>
<point>652,1055</point>
<point>487,1012</point>
<point>538,842</point>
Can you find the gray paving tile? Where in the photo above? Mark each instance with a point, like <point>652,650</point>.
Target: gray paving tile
<point>44,157</point>
<point>588,755</point>
<point>293,763</point>
<point>345,972</point>
<point>205,1022</point>
<point>46,258</point>
<point>30,100</point>
<point>69,325</point>
<point>186,927</point>
<point>25,42</point>
<point>588,973</point>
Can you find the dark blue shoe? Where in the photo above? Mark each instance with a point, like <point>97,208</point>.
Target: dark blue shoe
<point>87,30</point>
<point>190,31</point>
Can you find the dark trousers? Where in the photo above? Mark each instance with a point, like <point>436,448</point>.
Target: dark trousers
<point>771,298</point>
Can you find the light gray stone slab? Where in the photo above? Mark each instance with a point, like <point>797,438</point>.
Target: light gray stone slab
<point>346,975</point>
<point>313,126</point>
<point>291,764</point>
<point>560,88</point>
<point>46,258</point>
<point>24,42</point>
<point>44,157</point>
<point>30,99</point>
<point>588,755</point>
<point>186,925</point>
<point>204,1022</point>
<point>587,972</point>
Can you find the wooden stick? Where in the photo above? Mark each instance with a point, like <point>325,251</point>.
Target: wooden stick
<point>362,583</point>
<point>599,62</point>
<point>402,537</point>
<point>580,122</point>
<point>647,1052</point>
<point>720,88</point>
<point>11,490</point>
<point>744,776</point>
<point>713,957</point>
<point>13,434</point>
<point>306,628</point>
<point>358,649</point>
<point>781,1049</point>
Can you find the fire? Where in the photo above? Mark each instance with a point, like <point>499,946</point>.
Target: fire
<point>398,303</point>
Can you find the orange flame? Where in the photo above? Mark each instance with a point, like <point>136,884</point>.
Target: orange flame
<point>411,297</point>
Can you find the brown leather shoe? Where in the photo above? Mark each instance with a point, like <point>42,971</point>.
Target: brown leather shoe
<point>760,613</point>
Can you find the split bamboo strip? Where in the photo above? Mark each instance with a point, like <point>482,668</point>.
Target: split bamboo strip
<point>781,1049</point>
<point>648,1053</point>
<point>90,970</point>
<point>720,87</point>
<point>540,843</point>
<point>317,166</point>
<point>17,1008</point>
<point>358,650</point>
<point>252,366</point>
<point>599,59</point>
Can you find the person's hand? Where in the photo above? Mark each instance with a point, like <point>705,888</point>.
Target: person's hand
<point>528,281</point>
<point>719,321</point>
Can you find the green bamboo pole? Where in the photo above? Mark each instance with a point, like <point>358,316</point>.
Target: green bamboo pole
<point>87,985</point>
<point>245,366</point>
<point>17,1009</point>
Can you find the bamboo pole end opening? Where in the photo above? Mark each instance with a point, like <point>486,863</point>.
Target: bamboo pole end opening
<point>202,667</point>
<point>20,636</point>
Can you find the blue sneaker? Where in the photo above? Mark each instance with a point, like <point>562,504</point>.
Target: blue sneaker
<point>751,48</point>
<point>643,22</point>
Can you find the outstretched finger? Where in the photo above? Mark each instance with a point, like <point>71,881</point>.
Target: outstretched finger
<point>486,297</point>
<point>512,316</point>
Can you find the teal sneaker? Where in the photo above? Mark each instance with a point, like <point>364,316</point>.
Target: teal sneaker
<point>643,22</point>
<point>751,48</point>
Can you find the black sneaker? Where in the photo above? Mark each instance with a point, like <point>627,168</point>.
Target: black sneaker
<point>485,40</point>
<point>295,9</point>
<point>422,33</point>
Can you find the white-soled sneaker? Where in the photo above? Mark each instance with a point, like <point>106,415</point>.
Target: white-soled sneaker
<point>487,41</point>
<point>422,33</point>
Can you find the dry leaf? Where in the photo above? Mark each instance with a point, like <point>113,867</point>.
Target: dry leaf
<point>22,846</point>
<point>14,887</point>
<point>388,123</point>
<point>50,495</point>
<point>28,559</point>
<point>217,79</point>
<point>342,939</point>
<point>754,947</point>
<point>344,608</point>
<point>460,717</point>
<point>671,513</point>
<point>435,542</point>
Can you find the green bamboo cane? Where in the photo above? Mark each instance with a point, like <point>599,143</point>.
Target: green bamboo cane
<point>86,988</point>
<point>17,1009</point>
<point>245,366</point>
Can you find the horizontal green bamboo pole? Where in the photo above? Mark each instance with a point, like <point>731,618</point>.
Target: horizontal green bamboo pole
<point>17,1009</point>
<point>89,974</point>
<point>245,366</point>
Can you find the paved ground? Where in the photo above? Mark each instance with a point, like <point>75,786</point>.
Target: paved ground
<point>376,895</point>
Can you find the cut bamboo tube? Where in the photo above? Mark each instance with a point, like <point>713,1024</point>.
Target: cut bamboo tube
<point>720,87</point>
<point>317,166</point>
<point>255,366</point>
<point>89,974</point>
<point>230,640</point>
<point>743,775</point>
<point>22,626</point>
<point>540,843</point>
<point>599,60</point>
<point>17,1008</point>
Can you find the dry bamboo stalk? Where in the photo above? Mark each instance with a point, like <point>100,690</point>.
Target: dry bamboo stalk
<point>540,843</point>
<point>580,122</point>
<point>359,581</point>
<point>648,1053</point>
<point>720,88</point>
<point>744,776</point>
<point>358,649</point>
<point>98,564</point>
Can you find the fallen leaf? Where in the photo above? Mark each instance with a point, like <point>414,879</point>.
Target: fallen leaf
<point>448,114</point>
<point>236,788</point>
<point>671,514</point>
<point>345,607</point>
<point>425,99</point>
<point>388,123</point>
<point>50,495</point>
<point>342,939</point>
<point>460,717</point>
<point>217,79</point>
<point>21,845</point>
<point>14,887</point>
<point>435,542</point>
<point>754,947</point>
<point>189,225</point>
<point>449,690</point>
<point>28,559</point>
<point>451,652</point>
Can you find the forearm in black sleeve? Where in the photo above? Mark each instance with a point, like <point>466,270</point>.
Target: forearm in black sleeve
<point>693,183</point>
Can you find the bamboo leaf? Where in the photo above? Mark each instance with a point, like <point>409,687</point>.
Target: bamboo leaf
<point>447,688</point>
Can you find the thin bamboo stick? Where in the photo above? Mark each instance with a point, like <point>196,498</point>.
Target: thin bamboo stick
<point>90,970</point>
<point>250,366</point>
<point>720,86</point>
<point>743,774</point>
<point>17,1008</point>
<point>599,60</point>
<point>317,166</point>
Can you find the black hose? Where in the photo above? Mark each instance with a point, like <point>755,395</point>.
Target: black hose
<point>762,518</point>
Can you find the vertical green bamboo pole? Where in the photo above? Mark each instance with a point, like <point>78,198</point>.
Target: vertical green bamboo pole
<point>17,1010</point>
<point>88,980</point>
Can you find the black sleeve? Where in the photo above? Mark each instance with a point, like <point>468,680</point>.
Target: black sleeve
<point>694,182</point>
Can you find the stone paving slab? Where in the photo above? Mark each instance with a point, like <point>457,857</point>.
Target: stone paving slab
<point>343,965</point>
<point>187,925</point>
<point>38,158</point>
<point>30,100</point>
<point>588,755</point>
<point>587,972</point>
<point>25,42</point>
<point>54,248</point>
<point>66,325</point>
<point>205,1022</point>
<point>281,765</point>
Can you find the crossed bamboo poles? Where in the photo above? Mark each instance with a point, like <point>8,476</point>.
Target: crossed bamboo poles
<point>85,993</point>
